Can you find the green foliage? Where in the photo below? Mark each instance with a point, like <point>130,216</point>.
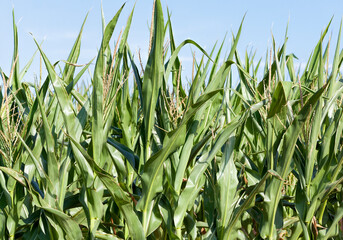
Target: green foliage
<point>134,156</point>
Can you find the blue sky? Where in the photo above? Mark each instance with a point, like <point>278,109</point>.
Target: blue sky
<point>58,23</point>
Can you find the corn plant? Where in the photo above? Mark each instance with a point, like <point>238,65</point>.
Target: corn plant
<point>138,154</point>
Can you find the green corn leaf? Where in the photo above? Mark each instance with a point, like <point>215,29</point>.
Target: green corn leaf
<point>279,98</point>
<point>128,153</point>
<point>74,54</point>
<point>120,197</point>
<point>70,228</point>
<point>98,137</point>
<point>227,184</point>
<point>273,190</point>
<point>50,142</point>
<point>153,174</point>
<point>231,230</point>
<point>199,169</point>
<point>38,164</point>
<point>70,121</point>
<point>153,77</point>
<point>333,230</point>
<point>15,61</point>
<point>335,65</point>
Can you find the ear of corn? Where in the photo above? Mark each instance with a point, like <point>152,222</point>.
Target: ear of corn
<point>138,154</point>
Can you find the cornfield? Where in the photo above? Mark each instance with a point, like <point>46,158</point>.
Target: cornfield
<point>139,154</point>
